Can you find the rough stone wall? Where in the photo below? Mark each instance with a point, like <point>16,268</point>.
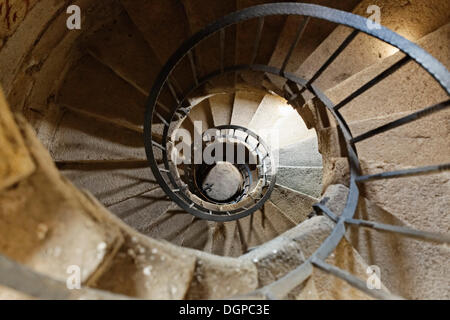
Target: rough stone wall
<point>40,48</point>
<point>12,13</point>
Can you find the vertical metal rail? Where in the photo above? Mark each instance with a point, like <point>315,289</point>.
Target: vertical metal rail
<point>193,68</point>
<point>257,43</point>
<point>298,36</point>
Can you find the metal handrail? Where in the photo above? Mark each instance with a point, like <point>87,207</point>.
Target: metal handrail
<point>283,286</point>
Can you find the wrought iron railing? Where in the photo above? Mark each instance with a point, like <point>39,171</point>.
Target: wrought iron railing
<point>159,111</point>
<point>169,103</point>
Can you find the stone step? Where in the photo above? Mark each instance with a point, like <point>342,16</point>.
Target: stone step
<point>221,108</point>
<point>121,46</point>
<point>112,183</point>
<point>278,123</point>
<point>307,180</point>
<point>421,138</point>
<point>304,153</point>
<point>296,205</point>
<point>417,90</point>
<point>418,201</point>
<point>22,283</point>
<point>365,50</point>
<point>277,218</point>
<point>254,231</point>
<point>94,89</point>
<point>155,215</point>
<point>141,211</point>
<point>81,137</point>
<point>194,234</point>
<point>263,225</point>
<point>245,105</point>
<point>426,261</point>
<point>315,32</point>
<point>146,268</point>
<point>162,14</point>
<point>224,239</point>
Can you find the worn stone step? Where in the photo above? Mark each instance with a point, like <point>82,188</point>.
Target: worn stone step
<point>207,284</point>
<point>112,183</point>
<point>121,46</point>
<point>194,234</point>
<point>22,283</point>
<point>162,14</point>
<point>410,88</point>
<point>141,210</point>
<point>421,138</point>
<point>307,180</point>
<point>426,261</point>
<point>315,32</point>
<point>420,201</point>
<point>365,50</point>
<point>154,269</point>
<point>224,239</point>
<point>263,225</point>
<point>418,90</point>
<point>252,233</point>
<point>278,123</point>
<point>296,205</point>
<point>146,268</point>
<point>93,88</point>
<point>277,218</point>
<point>303,153</point>
<point>245,105</point>
<point>155,215</point>
<point>81,137</point>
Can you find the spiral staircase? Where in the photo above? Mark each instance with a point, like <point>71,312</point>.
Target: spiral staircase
<point>344,131</point>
